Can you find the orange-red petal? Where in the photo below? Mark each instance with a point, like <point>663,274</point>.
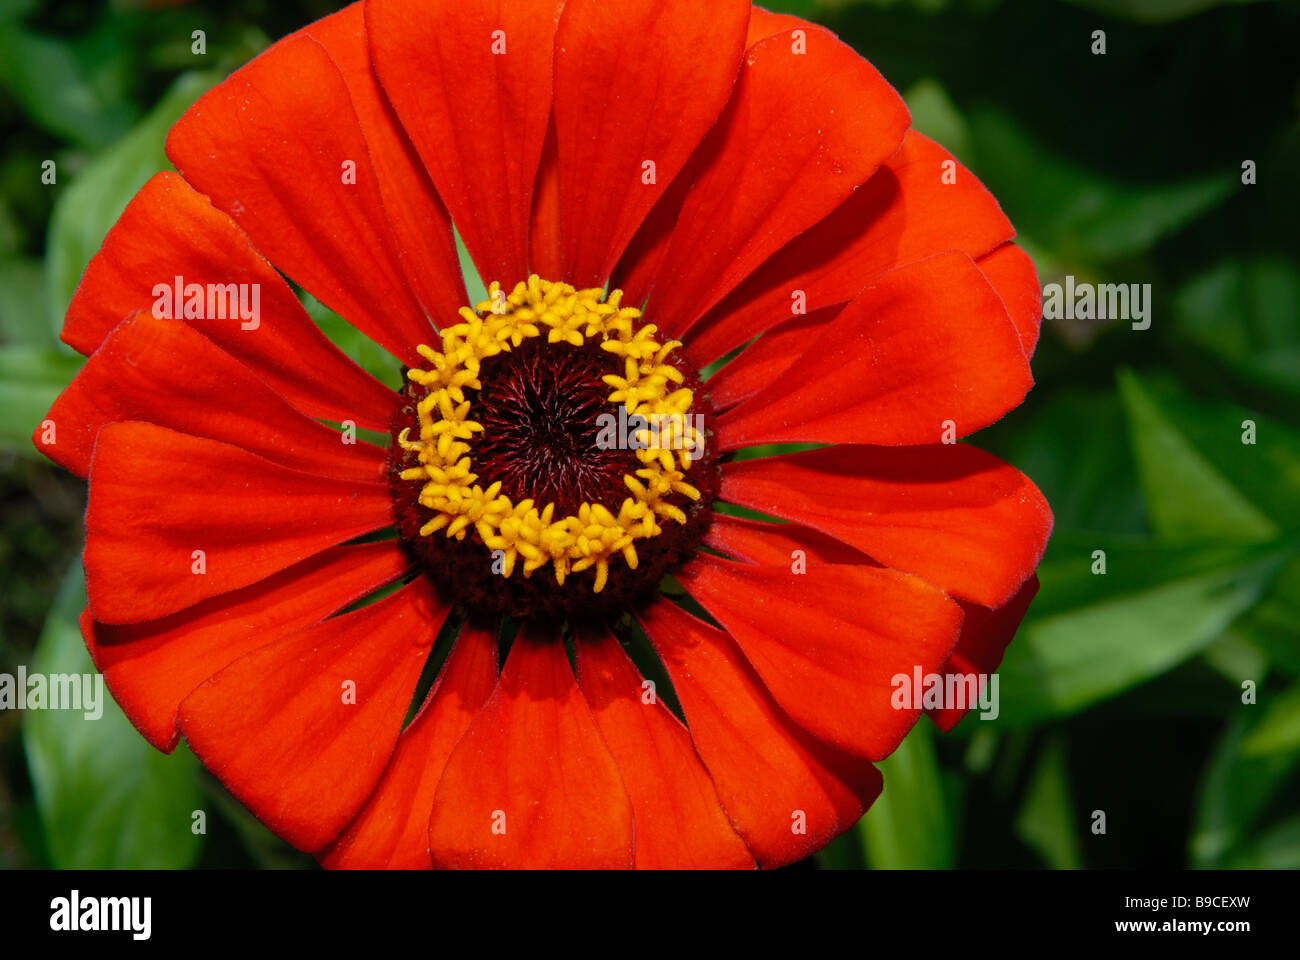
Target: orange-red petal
<point>163,372</point>
<point>801,133</point>
<point>775,544</point>
<point>764,23</point>
<point>909,210</point>
<point>301,730</point>
<point>764,361</point>
<point>949,513</point>
<point>828,642</point>
<point>174,519</point>
<point>1015,278</point>
<point>985,635</point>
<point>679,821</point>
<point>421,226</point>
<point>471,81</point>
<point>278,146</point>
<point>632,88</point>
<point>531,784</point>
<point>927,349</point>
<point>169,230</point>
<point>392,829</point>
<point>151,667</point>
<point>787,794</point>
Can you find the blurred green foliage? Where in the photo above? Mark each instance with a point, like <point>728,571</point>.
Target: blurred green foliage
<point>106,797</point>
<point>1122,694</point>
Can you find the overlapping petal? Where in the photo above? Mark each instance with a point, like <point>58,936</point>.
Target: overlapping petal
<point>985,635</point>
<point>633,99</point>
<point>151,667</point>
<point>787,794</point>
<point>301,730</point>
<point>764,361</point>
<point>163,372</point>
<point>173,520</point>
<point>949,513</point>
<point>1015,278</point>
<point>828,641</point>
<point>278,146</point>
<point>471,81</point>
<point>679,821</point>
<point>531,784</point>
<point>778,544</point>
<point>420,224</point>
<point>927,349</point>
<point>764,23</point>
<point>809,122</point>
<point>169,230</point>
<point>392,829</point>
<point>914,207</point>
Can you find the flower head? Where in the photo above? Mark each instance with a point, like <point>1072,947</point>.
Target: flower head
<point>705,232</point>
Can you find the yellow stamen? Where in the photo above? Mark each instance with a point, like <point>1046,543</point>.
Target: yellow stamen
<point>650,388</point>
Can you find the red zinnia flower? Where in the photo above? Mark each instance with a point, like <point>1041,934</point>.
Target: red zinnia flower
<point>730,172</point>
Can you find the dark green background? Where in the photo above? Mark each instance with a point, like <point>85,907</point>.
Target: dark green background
<point>1122,692</point>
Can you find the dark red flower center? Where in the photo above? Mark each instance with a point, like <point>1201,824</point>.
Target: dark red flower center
<point>555,459</point>
<point>541,407</point>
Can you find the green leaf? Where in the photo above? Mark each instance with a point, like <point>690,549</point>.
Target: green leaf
<point>1274,849</point>
<point>92,203</point>
<point>370,356</point>
<point>1070,449</point>
<point>16,9</point>
<point>76,91</point>
<point>1046,820</point>
<point>1236,658</point>
<point>1090,637</point>
<point>30,380</point>
<point>1154,11</point>
<point>1271,625</point>
<point>1279,731</point>
<point>800,8</point>
<point>1081,215</point>
<point>474,284</point>
<point>22,304</point>
<point>1199,479</point>
<point>106,798</point>
<point>909,827</point>
<point>1238,786</point>
<point>1246,311</point>
<point>935,115</point>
